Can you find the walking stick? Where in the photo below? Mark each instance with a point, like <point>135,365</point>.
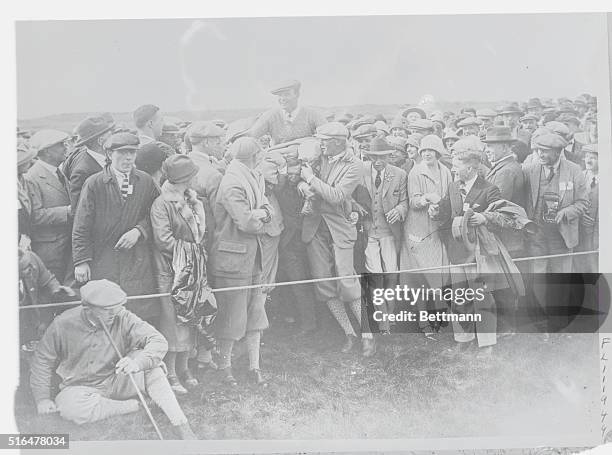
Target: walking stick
<point>142,400</point>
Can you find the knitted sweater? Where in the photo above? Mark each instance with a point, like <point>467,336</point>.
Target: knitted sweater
<point>273,122</point>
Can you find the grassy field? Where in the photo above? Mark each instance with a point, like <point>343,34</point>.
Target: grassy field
<point>412,388</point>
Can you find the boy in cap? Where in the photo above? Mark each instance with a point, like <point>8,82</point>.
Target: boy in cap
<point>290,120</point>
<point>329,232</point>
<point>112,229</point>
<point>95,383</point>
<point>51,220</point>
<point>386,185</point>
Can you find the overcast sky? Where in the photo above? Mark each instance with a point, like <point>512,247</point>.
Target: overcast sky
<point>93,66</point>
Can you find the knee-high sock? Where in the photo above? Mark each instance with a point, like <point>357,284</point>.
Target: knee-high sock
<point>337,309</point>
<point>252,340</point>
<point>160,392</point>
<point>170,361</point>
<point>181,362</point>
<point>356,309</point>
<point>204,355</point>
<point>225,351</point>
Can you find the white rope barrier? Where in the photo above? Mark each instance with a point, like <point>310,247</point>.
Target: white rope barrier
<point>314,280</point>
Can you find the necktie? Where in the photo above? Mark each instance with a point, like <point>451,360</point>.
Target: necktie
<point>550,173</point>
<point>377,180</point>
<point>594,182</point>
<point>462,192</point>
<point>60,176</point>
<point>125,186</point>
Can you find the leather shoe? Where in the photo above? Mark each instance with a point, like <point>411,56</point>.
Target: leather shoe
<point>348,343</point>
<point>227,377</point>
<point>176,385</point>
<point>257,378</point>
<point>368,347</point>
<point>188,379</point>
<point>184,431</point>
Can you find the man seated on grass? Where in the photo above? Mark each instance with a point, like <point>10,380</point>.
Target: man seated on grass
<point>95,381</point>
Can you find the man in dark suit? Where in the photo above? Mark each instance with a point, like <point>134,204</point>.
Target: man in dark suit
<point>89,157</point>
<point>507,174</point>
<point>469,193</point>
<point>51,219</point>
<point>329,232</point>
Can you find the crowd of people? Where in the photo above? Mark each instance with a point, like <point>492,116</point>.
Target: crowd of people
<point>211,215</point>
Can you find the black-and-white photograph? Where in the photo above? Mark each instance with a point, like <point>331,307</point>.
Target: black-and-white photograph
<point>311,228</point>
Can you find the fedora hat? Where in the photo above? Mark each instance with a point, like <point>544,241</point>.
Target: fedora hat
<point>380,147</point>
<point>499,134</point>
<point>93,127</point>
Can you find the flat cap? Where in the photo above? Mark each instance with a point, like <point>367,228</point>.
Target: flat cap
<point>244,148</point>
<point>379,146</point>
<point>510,109</point>
<point>590,148</point>
<point>524,118</point>
<point>285,85</point>
<point>171,125</point>
<point>468,144</point>
<point>92,127</point>
<point>122,141</point>
<point>143,114</point>
<point>46,138</point>
<point>365,131</point>
<point>470,121</point>
<point>559,128</point>
<point>488,113</point>
<point>103,294</point>
<point>332,130</point>
<point>567,108</point>
<point>421,124</point>
<point>432,142</point>
<point>366,119</point>
<point>24,153</point>
<point>548,141</point>
<point>205,129</point>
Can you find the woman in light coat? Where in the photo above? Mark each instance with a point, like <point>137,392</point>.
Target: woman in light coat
<point>428,183</point>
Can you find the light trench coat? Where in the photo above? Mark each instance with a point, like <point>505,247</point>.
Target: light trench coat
<point>423,246</point>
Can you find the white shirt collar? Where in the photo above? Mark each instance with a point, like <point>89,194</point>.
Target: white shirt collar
<point>49,167</point>
<point>469,184</point>
<point>100,158</point>
<point>119,175</point>
<point>382,172</point>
